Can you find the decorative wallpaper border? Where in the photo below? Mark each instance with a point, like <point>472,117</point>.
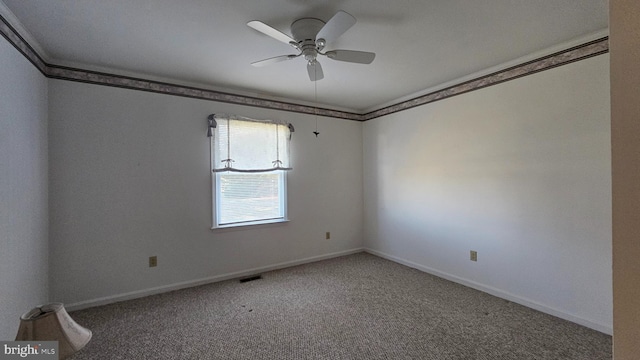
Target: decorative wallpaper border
<point>127,82</point>
<point>21,45</point>
<point>94,77</point>
<point>580,52</point>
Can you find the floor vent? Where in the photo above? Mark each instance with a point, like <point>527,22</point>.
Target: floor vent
<point>251,278</point>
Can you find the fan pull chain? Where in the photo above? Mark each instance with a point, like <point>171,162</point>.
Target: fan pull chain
<point>315,109</point>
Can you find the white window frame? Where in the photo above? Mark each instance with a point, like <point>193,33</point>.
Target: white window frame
<point>215,194</point>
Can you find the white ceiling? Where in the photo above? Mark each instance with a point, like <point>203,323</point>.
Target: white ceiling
<point>420,44</point>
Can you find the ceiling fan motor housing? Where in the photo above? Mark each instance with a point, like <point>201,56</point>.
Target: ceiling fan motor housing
<point>304,31</point>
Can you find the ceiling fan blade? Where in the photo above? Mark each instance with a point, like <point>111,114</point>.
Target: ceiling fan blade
<point>269,31</point>
<point>315,71</point>
<point>360,57</point>
<point>336,26</point>
<point>273,60</point>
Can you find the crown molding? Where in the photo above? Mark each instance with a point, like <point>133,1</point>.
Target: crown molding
<point>20,38</point>
<point>567,56</point>
<point>14,38</point>
<point>23,31</point>
<point>192,84</point>
<point>127,82</point>
<point>494,69</point>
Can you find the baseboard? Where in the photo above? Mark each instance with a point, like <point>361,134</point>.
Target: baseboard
<point>191,283</point>
<point>496,292</point>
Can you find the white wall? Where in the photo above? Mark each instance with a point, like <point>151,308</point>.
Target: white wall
<point>130,179</point>
<point>23,189</point>
<point>519,172</point>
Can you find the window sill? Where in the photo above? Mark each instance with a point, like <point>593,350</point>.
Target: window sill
<point>250,225</point>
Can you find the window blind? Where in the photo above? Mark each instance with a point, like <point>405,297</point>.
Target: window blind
<point>249,145</point>
<point>246,197</point>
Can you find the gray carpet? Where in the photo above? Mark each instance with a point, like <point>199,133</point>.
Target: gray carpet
<point>354,307</point>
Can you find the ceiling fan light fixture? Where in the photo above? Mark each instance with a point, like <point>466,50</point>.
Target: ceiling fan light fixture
<point>310,54</point>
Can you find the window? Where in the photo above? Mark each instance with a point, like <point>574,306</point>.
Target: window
<point>249,161</point>
<point>248,197</point>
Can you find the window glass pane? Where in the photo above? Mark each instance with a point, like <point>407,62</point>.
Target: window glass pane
<point>244,197</point>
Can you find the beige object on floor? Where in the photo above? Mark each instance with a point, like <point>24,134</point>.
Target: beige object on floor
<point>51,322</point>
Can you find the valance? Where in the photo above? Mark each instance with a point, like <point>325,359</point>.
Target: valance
<point>243,144</point>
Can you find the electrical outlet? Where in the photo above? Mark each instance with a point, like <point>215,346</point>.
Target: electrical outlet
<point>473,255</point>
<point>328,235</point>
<point>153,261</point>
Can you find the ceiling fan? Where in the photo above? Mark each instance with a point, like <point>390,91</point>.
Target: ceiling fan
<point>310,37</point>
